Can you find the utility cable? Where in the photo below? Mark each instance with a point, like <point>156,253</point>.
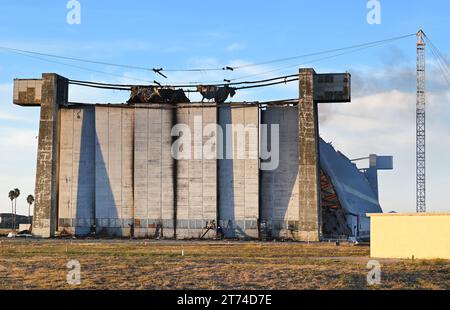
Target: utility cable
<point>224,68</point>
<point>186,86</point>
<point>128,87</point>
<point>155,70</point>
<point>322,52</point>
<point>82,68</point>
<point>308,62</point>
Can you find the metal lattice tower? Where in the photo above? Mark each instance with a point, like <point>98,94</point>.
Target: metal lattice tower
<point>420,122</point>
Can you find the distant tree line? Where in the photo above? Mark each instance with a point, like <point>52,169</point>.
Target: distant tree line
<point>13,195</point>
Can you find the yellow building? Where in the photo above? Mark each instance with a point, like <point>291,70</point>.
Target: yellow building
<point>404,235</point>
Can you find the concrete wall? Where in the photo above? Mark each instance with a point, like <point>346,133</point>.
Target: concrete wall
<point>114,170</point>
<point>279,187</point>
<point>196,178</point>
<point>76,211</point>
<point>238,178</point>
<point>154,173</point>
<point>116,167</point>
<point>422,235</point>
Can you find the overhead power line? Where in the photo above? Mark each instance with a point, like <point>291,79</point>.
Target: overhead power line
<point>348,50</point>
<point>309,62</point>
<point>155,70</point>
<point>322,52</point>
<point>75,59</point>
<point>253,84</point>
<point>268,84</point>
<point>100,86</point>
<point>282,78</point>
<point>83,68</point>
<point>355,48</point>
<point>160,70</point>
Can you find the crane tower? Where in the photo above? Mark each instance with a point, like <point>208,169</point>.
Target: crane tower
<point>420,123</point>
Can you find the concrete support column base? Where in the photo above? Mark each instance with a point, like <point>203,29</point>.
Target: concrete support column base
<point>312,236</point>
<point>43,231</point>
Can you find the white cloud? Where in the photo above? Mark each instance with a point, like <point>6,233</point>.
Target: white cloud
<point>17,138</point>
<point>8,117</point>
<point>236,46</point>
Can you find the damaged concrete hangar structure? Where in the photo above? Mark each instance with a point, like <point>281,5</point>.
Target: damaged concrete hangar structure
<point>108,169</point>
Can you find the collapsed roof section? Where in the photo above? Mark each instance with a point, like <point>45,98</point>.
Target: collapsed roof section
<point>355,195</point>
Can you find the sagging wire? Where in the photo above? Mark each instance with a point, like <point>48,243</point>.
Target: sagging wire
<point>260,83</point>
<point>323,52</point>
<point>188,85</point>
<point>160,71</point>
<point>84,68</point>
<point>316,60</point>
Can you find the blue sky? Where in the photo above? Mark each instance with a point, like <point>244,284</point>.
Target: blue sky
<point>182,34</point>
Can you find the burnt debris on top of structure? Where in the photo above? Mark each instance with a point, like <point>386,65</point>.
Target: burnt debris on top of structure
<point>151,94</point>
<point>219,94</point>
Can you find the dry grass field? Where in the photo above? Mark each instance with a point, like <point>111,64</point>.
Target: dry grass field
<point>39,264</point>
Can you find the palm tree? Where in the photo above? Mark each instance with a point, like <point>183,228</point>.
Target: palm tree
<point>16,195</point>
<point>12,196</point>
<point>30,201</point>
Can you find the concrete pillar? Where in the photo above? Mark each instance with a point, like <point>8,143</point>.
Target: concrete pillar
<point>309,192</point>
<point>54,93</point>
